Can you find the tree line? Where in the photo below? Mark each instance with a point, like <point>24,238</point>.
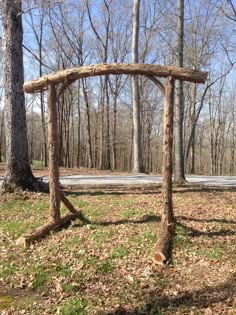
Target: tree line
<point>95,115</point>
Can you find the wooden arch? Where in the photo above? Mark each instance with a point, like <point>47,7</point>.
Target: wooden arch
<point>55,84</point>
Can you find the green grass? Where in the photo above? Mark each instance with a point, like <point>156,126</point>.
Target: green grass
<point>37,163</point>
<point>5,302</point>
<point>6,270</point>
<point>95,268</point>
<point>119,252</point>
<point>150,236</point>
<point>100,236</point>
<point>105,266</point>
<point>214,253</point>
<point>128,214</point>
<point>74,306</point>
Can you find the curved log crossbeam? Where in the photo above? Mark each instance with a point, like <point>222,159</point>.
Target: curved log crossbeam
<point>114,68</point>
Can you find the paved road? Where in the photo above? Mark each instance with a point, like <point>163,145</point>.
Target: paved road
<point>218,181</point>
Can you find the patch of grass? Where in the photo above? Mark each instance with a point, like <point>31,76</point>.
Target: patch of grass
<point>68,288</point>
<point>214,253</point>
<point>90,261</point>
<point>181,240</point>
<point>119,252</point>
<point>7,270</point>
<point>127,203</point>
<point>72,240</point>
<point>75,306</point>
<point>128,214</point>
<point>63,270</point>
<point>150,236</point>
<point>100,236</point>
<point>105,267</point>
<point>15,228</point>
<point>39,280</point>
<point>18,302</point>
<point>5,302</point>
<point>37,163</point>
<point>38,275</point>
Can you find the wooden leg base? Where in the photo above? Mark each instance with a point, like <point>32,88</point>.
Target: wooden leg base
<point>44,230</point>
<point>162,250</point>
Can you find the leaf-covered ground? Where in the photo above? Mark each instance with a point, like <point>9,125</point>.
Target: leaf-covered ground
<point>105,267</point>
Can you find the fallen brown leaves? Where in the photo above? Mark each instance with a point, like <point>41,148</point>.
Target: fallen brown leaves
<point>106,265</point>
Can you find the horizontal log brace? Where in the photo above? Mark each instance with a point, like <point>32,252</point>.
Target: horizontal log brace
<point>73,74</point>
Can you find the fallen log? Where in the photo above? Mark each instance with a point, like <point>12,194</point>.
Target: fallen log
<point>44,230</point>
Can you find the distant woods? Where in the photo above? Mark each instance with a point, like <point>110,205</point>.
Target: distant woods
<point>95,115</point>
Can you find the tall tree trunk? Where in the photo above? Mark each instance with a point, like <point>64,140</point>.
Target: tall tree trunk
<point>18,172</point>
<point>1,135</point>
<point>114,139</point>
<point>90,155</point>
<point>78,163</point>
<point>179,176</point>
<point>137,151</point>
<point>232,143</point>
<point>108,140</point>
<point>193,119</point>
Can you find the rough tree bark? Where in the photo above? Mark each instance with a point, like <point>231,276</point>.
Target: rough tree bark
<point>162,251</point>
<point>18,174</point>
<point>70,75</point>
<point>179,176</point>
<point>54,185</point>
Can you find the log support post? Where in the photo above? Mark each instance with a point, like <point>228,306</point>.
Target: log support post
<point>162,250</point>
<point>54,185</point>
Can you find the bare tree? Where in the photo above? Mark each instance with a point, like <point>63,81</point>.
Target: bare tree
<point>137,146</point>
<point>179,176</point>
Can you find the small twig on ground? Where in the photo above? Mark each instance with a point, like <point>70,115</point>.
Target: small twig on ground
<point>5,236</point>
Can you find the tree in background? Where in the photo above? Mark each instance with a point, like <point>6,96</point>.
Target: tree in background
<point>179,176</point>
<point>18,172</point>
<point>137,147</point>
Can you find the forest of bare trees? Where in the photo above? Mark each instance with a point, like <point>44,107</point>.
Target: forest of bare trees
<point>95,115</point>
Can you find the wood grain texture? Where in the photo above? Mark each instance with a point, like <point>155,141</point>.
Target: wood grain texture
<point>114,68</point>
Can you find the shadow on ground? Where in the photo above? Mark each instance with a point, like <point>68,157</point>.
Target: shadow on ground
<point>199,299</point>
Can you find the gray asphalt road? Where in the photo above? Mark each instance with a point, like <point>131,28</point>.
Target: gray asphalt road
<point>224,181</point>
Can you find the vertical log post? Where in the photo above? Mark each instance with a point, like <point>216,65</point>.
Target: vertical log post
<point>162,252</point>
<point>53,155</point>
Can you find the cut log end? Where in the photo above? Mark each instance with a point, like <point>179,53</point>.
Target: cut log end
<point>159,259</point>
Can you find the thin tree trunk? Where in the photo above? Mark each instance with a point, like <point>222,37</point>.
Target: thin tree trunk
<point>114,142</point>
<point>179,176</point>
<point>137,151</point>
<point>90,156</point>
<point>78,164</point>
<point>193,119</point>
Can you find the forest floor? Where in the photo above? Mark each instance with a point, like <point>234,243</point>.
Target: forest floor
<point>105,268</point>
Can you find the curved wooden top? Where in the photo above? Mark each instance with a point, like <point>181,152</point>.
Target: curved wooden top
<point>73,74</point>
